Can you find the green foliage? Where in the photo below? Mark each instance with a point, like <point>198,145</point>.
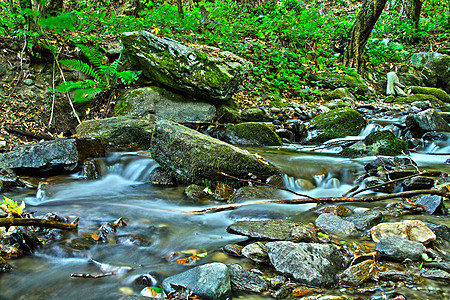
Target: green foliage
<point>381,51</point>
<point>105,77</point>
<point>11,207</point>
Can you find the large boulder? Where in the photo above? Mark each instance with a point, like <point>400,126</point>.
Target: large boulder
<point>164,104</point>
<point>210,281</point>
<point>51,157</point>
<point>337,123</point>
<point>438,93</point>
<point>119,131</point>
<point>335,80</point>
<point>428,120</point>
<point>249,134</point>
<point>437,63</point>
<point>206,72</point>
<point>194,157</point>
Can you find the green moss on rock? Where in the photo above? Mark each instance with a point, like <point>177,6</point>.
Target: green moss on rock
<point>377,143</point>
<point>438,93</point>
<point>226,114</point>
<point>337,123</point>
<point>257,134</point>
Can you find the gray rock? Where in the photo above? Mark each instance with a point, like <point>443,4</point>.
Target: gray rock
<point>427,120</point>
<point>210,281</point>
<point>119,131</point>
<point>254,115</point>
<point>273,230</point>
<point>244,280</point>
<point>413,230</point>
<point>366,219</point>
<point>410,79</point>
<point>388,163</point>
<point>400,249</point>
<point>436,274</point>
<point>256,252</point>
<point>438,63</point>
<point>396,276</point>
<point>431,203</point>
<point>357,274</point>
<point>164,104</point>
<point>334,224</point>
<point>308,263</point>
<point>197,193</point>
<point>50,157</point>
<point>373,181</point>
<point>160,177</point>
<point>226,114</point>
<point>192,71</point>
<point>418,183</point>
<point>193,157</point>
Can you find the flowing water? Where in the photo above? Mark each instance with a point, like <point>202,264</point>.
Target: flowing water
<point>156,225</point>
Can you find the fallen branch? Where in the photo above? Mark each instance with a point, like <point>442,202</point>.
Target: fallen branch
<point>87,275</point>
<point>10,221</point>
<point>266,184</point>
<point>233,206</point>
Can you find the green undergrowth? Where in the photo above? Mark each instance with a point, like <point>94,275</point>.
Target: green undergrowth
<point>284,40</point>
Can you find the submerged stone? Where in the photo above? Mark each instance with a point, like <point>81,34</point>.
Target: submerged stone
<point>400,249</point>
<point>334,224</point>
<point>366,219</point>
<point>357,274</point>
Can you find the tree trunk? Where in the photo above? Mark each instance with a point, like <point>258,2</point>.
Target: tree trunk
<point>360,32</point>
<point>411,10</point>
<point>180,9</point>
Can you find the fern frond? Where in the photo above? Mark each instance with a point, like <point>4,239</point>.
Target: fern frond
<point>96,58</point>
<point>82,67</point>
<point>69,86</point>
<point>82,95</point>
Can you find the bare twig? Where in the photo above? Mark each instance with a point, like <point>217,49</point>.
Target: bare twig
<point>87,275</point>
<point>266,184</point>
<point>67,94</point>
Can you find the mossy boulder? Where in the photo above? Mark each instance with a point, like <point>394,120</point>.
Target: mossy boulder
<point>205,73</point>
<point>339,93</point>
<point>226,114</point>
<point>193,157</point>
<point>335,80</point>
<point>337,123</point>
<point>382,142</point>
<point>164,104</point>
<point>438,63</point>
<point>438,93</point>
<point>435,102</point>
<point>424,121</point>
<point>122,131</point>
<point>254,114</point>
<point>257,134</point>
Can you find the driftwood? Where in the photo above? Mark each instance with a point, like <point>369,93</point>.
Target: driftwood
<point>10,221</point>
<point>87,275</point>
<point>233,206</point>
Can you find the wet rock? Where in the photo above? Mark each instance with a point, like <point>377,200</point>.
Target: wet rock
<point>431,203</point>
<point>388,163</point>
<point>223,191</point>
<point>233,249</point>
<point>193,157</point>
<point>192,71</point>
<point>337,210</point>
<point>434,136</point>
<point>418,183</point>
<point>132,240</point>
<point>50,158</point>
<point>164,104</point>
<point>161,177</point>
<point>63,251</point>
<point>244,280</point>
<point>254,193</point>
<point>149,279</point>
<point>427,120</point>
<point>379,184</point>
<point>382,142</point>
<point>226,114</point>
<point>337,123</point>
<point>308,263</point>
<point>366,219</point>
<point>333,80</point>
<point>210,281</point>
<point>119,131</point>
<point>254,115</point>
<point>21,239</point>
<point>357,274</point>
<point>8,180</point>
<point>198,193</point>
<point>400,249</point>
<point>436,274</point>
<point>256,251</point>
<point>438,93</point>
<point>4,266</point>
<point>334,224</point>
<point>413,230</point>
<point>272,230</point>
<point>396,276</point>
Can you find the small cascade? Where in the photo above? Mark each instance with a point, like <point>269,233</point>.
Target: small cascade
<point>129,166</point>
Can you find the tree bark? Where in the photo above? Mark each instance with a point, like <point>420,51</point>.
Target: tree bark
<point>180,9</point>
<point>411,10</point>
<point>365,20</point>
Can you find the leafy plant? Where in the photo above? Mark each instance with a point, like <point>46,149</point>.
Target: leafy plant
<point>11,207</point>
<point>104,76</point>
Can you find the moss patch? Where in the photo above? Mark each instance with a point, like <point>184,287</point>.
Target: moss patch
<point>438,93</point>
<point>257,133</point>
